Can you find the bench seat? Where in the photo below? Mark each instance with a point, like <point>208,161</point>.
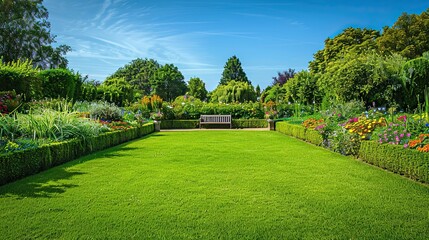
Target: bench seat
<point>216,119</point>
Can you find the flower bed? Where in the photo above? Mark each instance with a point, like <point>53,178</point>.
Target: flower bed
<point>395,158</point>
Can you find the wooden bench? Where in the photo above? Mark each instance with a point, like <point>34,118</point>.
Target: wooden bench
<point>216,119</point>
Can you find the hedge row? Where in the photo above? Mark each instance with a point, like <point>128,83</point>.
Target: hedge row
<point>300,132</point>
<point>16,165</point>
<point>236,123</point>
<point>407,162</point>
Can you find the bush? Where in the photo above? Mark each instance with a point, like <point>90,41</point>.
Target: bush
<point>58,83</point>
<point>395,158</point>
<point>105,111</point>
<point>21,77</point>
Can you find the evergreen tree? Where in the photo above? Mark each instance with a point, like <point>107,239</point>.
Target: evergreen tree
<point>233,72</point>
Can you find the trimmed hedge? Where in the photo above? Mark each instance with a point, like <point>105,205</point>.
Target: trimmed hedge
<point>17,165</point>
<point>236,123</point>
<point>249,123</point>
<point>407,162</point>
<point>179,124</point>
<point>300,132</point>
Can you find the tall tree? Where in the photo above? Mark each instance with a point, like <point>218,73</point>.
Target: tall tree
<point>232,92</point>
<point>168,82</point>
<point>138,73</point>
<point>233,72</point>
<point>283,77</point>
<point>351,39</point>
<point>409,36</point>
<point>197,88</point>
<point>25,34</point>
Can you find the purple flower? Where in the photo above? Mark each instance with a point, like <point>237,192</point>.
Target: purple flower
<point>406,145</point>
<point>408,134</point>
<point>397,138</point>
<point>402,135</point>
<point>395,132</point>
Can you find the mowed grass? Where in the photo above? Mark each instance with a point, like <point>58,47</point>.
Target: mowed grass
<point>215,185</point>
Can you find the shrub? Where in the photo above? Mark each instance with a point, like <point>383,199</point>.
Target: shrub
<point>395,158</point>
<point>21,77</point>
<point>58,83</point>
<point>105,111</point>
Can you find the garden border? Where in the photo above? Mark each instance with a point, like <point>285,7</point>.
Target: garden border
<point>394,158</point>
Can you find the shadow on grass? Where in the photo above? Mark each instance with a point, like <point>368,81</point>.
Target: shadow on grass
<point>46,184</point>
<point>49,183</point>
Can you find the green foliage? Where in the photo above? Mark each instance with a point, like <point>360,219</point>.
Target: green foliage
<point>105,111</point>
<point>249,123</point>
<point>355,40</point>
<point>179,124</point>
<point>300,132</point>
<point>139,73</point>
<point>25,34</point>
<point>409,36</point>
<point>366,77</point>
<point>18,164</point>
<point>56,126</point>
<point>415,80</point>
<point>275,93</point>
<point>117,91</point>
<point>21,77</point>
<point>192,108</point>
<point>233,91</point>
<point>395,158</point>
<point>197,88</point>
<point>168,83</point>
<point>58,83</point>
<point>233,72</point>
<point>302,88</point>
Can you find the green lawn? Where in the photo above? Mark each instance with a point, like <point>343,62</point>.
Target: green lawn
<point>215,185</point>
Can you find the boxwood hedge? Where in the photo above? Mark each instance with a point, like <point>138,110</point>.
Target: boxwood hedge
<point>16,165</point>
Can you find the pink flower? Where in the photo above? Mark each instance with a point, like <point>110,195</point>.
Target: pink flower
<point>402,135</point>
<point>405,145</point>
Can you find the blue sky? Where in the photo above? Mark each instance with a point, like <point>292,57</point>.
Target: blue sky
<point>199,36</point>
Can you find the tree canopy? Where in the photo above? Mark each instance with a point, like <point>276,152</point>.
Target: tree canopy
<point>168,82</point>
<point>233,91</point>
<point>138,73</point>
<point>197,88</point>
<point>283,77</point>
<point>25,34</point>
<point>356,40</point>
<point>233,72</point>
<point>409,36</point>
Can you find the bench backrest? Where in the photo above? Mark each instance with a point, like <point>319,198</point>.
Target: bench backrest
<point>216,118</point>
